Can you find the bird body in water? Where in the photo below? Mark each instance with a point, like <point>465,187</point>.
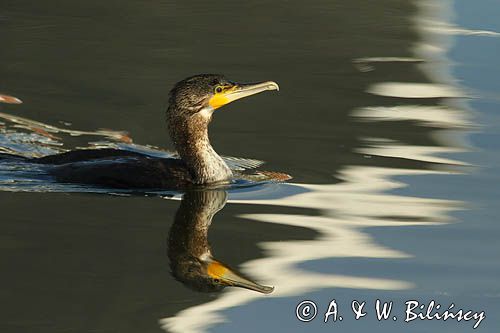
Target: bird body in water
<point>192,102</point>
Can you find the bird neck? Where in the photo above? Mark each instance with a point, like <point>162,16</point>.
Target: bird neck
<point>190,137</point>
<point>189,233</point>
<point>188,247</point>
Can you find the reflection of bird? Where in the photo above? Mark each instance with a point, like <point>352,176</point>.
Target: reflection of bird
<point>190,257</point>
<point>191,105</point>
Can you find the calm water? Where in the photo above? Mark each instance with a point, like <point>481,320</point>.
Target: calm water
<point>386,118</point>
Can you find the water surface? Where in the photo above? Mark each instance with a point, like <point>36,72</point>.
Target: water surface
<point>386,119</point>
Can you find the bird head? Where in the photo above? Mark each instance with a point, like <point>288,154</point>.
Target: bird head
<point>210,275</point>
<point>204,93</point>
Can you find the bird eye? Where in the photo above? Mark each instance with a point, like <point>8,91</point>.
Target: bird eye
<point>219,89</point>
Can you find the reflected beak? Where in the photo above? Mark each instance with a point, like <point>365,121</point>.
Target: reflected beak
<point>240,91</point>
<point>217,270</point>
<point>9,99</point>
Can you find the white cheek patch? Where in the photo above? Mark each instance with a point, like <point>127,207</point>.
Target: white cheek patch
<point>206,112</point>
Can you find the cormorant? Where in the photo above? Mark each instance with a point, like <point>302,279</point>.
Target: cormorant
<point>191,259</point>
<point>192,102</point>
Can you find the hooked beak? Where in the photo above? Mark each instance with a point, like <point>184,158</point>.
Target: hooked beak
<point>239,91</point>
<point>217,270</point>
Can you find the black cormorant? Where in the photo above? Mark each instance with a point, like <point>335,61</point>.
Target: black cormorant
<point>191,259</point>
<point>192,102</point>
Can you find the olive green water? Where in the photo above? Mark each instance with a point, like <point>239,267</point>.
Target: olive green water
<point>394,194</point>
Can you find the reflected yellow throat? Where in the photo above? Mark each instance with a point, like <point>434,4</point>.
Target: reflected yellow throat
<point>216,269</point>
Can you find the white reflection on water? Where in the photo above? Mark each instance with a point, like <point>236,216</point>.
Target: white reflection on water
<point>439,116</point>
<point>415,90</point>
<point>381,147</point>
<point>362,200</point>
<point>346,209</point>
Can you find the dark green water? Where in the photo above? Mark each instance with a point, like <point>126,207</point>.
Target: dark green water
<point>395,167</point>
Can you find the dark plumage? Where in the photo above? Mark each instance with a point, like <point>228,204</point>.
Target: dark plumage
<point>189,252</point>
<point>191,104</point>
